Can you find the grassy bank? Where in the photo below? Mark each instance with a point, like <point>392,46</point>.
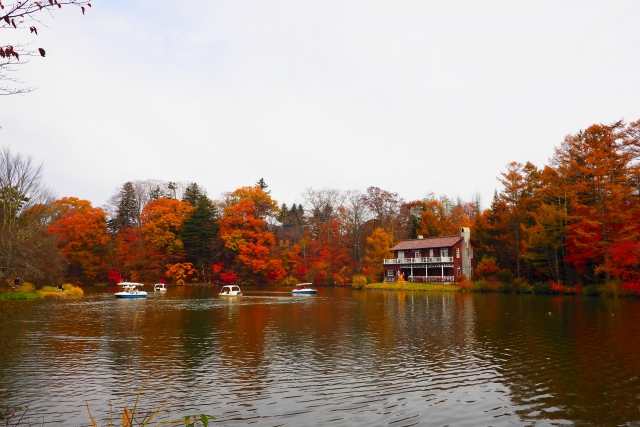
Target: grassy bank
<point>28,291</point>
<point>413,286</point>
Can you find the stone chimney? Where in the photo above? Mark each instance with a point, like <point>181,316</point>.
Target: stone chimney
<point>465,233</point>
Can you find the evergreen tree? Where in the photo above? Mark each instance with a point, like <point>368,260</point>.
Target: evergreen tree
<point>200,229</point>
<point>263,185</point>
<point>126,209</point>
<point>156,193</point>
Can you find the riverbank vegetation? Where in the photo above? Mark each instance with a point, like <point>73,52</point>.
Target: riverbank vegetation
<point>29,291</point>
<point>570,226</point>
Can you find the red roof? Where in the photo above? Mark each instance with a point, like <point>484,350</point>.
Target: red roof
<point>429,242</point>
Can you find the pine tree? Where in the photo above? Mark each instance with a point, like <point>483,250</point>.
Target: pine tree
<point>200,229</point>
<point>127,209</point>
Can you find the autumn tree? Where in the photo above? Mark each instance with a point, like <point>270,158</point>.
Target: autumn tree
<point>599,166</point>
<point>385,206</point>
<point>327,250</point>
<point>545,248</point>
<point>162,222</point>
<point>244,231</point>
<point>26,249</point>
<point>379,245</point>
<point>353,214</point>
<point>81,234</point>
<point>26,15</point>
<point>518,203</point>
<point>433,219</point>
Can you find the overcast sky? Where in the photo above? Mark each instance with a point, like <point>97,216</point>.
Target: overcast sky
<point>409,96</point>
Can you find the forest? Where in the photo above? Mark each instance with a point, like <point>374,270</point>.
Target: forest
<point>572,223</point>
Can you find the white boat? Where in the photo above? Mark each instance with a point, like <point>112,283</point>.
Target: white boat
<point>130,290</point>
<point>159,287</point>
<point>304,289</point>
<point>230,291</point>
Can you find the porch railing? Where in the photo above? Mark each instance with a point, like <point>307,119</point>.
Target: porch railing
<point>424,279</point>
<point>422,260</point>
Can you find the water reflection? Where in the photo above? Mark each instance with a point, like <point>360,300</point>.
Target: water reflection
<point>336,358</point>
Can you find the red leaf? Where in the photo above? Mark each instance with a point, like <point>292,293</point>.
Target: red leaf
<point>82,7</point>
<point>41,50</point>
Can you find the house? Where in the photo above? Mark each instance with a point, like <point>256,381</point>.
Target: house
<point>434,259</point>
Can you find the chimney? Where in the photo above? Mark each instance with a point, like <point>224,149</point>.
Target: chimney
<point>465,233</point>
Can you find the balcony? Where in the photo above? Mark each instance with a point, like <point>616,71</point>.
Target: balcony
<point>422,260</point>
<point>437,279</point>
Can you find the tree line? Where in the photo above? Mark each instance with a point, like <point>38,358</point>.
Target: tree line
<point>572,222</point>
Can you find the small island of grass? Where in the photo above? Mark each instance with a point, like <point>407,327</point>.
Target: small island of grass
<point>29,291</point>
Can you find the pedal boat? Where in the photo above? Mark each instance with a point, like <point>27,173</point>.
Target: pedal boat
<point>130,290</point>
<point>304,289</point>
<point>230,291</point>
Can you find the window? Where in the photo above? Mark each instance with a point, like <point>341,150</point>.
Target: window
<point>431,253</point>
<point>459,271</point>
<point>390,273</point>
<point>470,272</point>
<point>444,252</point>
<point>470,253</point>
<point>457,252</point>
<point>400,254</point>
<point>416,254</point>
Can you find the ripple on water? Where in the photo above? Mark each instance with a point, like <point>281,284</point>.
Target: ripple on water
<point>338,359</point>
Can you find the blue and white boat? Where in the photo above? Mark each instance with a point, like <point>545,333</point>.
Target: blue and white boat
<point>304,289</point>
<point>130,290</point>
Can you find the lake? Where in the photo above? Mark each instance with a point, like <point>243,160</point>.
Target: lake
<point>339,358</point>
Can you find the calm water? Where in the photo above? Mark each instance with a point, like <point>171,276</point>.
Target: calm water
<point>341,358</point>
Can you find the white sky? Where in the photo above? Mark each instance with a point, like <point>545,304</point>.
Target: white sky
<point>410,96</point>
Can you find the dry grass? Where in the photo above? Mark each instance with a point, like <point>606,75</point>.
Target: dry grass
<point>28,291</point>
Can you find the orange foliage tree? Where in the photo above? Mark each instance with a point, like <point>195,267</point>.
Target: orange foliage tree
<point>379,245</point>
<point>181,272</point>
<point>162,221</point>
<point>81,233</point>
<point>599,168</point>
<point>244,232</point>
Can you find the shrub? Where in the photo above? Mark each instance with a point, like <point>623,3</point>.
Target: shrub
<point>481,286</point>
<point>525,288</point>
<point>487,267</point>
<point>289,281</point>
<point>541,288</point>
<point>505,276</point>
<point>464,285</point>
<point>591,290</point>
<point>612,288</point>
<point>632,287</point>
<point>358,281</point>
<point>503,287</point>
